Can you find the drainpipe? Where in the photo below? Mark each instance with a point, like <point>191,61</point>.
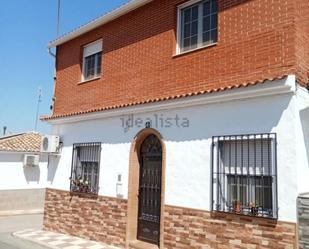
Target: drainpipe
<point>50,52</point>
<point>54,55</point>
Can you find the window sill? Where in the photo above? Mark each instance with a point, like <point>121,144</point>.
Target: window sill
<point>84,194</point>
<point>245,215</point>
<point>89,80</point>
<point>194,50</point>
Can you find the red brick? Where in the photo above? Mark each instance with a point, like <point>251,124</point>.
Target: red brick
<point>258,39</point>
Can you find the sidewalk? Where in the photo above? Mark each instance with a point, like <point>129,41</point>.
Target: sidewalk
<point>59,241</point>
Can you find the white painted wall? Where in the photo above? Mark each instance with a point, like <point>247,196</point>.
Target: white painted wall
<point>188,149</point>
<point>302,133</point>
<point>15,176</point>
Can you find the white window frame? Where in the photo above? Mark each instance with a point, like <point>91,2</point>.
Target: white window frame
<point>200,28</point>
<point>96,76</point>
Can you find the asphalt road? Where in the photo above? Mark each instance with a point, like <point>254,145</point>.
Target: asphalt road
<point>10,224</point>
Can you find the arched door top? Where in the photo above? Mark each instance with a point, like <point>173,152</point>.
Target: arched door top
<point>151,145</point>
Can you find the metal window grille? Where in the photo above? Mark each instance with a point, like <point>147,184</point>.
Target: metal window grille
<point>85,167</point>
<point>244,174</point>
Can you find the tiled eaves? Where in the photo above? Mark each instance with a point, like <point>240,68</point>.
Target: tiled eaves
<point>154,100</point>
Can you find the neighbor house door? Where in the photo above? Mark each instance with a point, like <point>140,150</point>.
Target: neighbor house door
<point>149,208</point>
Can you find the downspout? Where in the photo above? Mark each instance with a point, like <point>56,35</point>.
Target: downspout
<point>54,55</point>
<point>53,98</point>
<point>51,53</point>
<point>55,78</point>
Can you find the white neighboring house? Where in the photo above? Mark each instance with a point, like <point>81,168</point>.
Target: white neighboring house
<point>23,175</point>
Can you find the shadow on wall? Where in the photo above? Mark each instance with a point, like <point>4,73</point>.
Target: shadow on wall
<point>304,117</point>
<point>32,174</point>
<point>53,162</point>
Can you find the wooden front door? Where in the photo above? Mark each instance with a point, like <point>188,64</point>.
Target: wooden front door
<point>149,209</point>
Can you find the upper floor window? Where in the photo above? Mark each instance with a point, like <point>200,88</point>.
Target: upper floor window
<point>85,168</point>
<point>197,24</point>
<point>92,58</point>
<point>245,175</point>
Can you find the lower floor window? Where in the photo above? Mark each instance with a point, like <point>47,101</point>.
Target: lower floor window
<point>85,168</point>
<point>252,193</point>
<point>244,174</point>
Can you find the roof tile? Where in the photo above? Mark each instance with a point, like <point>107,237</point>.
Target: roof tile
<point>25,142</point>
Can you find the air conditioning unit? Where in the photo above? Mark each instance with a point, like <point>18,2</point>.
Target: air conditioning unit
<point>50,144</point>
<point>31,160</point>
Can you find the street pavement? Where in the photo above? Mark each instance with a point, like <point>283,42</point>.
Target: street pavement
<point>60,241</point>
<point>10,224</point>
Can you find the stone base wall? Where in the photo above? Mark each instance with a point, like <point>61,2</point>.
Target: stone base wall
<point>187,228</point>
<point>91,217</point>
<point>104,219</point>
<point>303,220</point>
<point>21,201</point>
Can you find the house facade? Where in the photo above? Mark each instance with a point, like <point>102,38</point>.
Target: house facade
<point>22,186</point>
<point>183,124</point>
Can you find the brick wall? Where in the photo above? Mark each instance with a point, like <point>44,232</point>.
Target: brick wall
<point>256,41</point>
<point>104,219</point>
<point>187,228</point>
<point>302,39</point>
<point>98,218</point>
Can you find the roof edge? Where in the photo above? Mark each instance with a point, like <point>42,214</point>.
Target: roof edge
<point>12,135</point>
<point>97,22</point>
<point>19,134</point>
<point>20,151</point>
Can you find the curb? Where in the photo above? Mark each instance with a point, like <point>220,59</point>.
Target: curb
<point>21,212</point>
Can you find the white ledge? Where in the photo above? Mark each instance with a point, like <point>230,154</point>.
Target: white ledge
<point>282,86</point>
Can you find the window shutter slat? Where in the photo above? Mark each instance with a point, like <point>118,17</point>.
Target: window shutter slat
<point>93,48</point>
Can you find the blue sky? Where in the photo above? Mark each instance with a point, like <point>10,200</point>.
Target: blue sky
<point>26,26</point>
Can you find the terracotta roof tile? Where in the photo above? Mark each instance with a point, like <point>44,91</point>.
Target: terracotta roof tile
<point>147,101</point>
<point>25,142</point>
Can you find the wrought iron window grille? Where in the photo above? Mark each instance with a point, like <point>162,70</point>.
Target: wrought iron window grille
<point>244,174</point>
<point>85,168</point>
